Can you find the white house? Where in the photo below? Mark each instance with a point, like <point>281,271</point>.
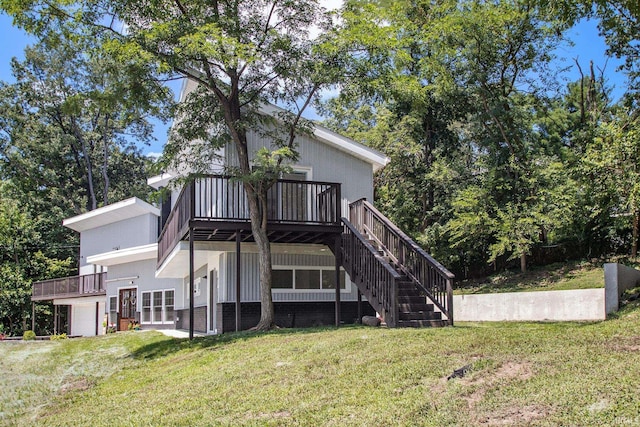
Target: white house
<point>194,265</point>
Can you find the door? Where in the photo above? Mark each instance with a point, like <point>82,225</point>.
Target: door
<point>128,303</point>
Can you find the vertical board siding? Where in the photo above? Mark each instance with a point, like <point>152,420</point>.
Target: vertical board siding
<point>250,278</point>
<point>327,164</point>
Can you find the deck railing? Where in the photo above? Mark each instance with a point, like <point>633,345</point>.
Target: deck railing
<point>427,273</point>
<point>69,287</point>
<point>216,198</point>
<point>375,277</point>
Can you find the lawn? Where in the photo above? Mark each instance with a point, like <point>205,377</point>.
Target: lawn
<point>554,277</point>
<point>519,374</point>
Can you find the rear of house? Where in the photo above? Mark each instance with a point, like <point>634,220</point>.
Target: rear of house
<point>192,264</point>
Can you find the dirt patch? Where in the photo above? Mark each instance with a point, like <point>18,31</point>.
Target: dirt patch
<point>515,416</point>
<point>625,344</point>
<point>483,382</point>
<point>76,384</point>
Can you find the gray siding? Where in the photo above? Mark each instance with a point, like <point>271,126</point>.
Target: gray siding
<point>250,280</point>
<point>146,281</point>
<point>326,163</point>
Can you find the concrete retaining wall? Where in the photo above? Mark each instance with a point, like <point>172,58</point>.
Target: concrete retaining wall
<point>617,279</point>
<point>580,304</point>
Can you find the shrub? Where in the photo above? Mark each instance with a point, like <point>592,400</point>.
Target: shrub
<point>58,337</point>
<point>29,336</point>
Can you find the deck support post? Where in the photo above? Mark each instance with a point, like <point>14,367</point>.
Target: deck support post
<point>97,317</point>
<point>191,272</point>
<point>359,306</point>
<point>238,269</point>
<point>337,252</point>
<point>55,319</point>
<point>33,316</point>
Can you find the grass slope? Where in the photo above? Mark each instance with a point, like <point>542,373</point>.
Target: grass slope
<point>554,277</point>
<point>521,374</point>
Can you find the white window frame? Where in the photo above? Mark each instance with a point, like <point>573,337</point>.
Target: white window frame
<point>323,270</point>
<point>163,311</point>
<point>111,298</point>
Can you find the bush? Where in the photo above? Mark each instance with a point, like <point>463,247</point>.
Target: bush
<point>29,336</point>
<point>58,337</point>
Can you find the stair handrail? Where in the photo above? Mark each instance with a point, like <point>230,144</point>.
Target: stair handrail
<point>443,300</point>
<point>386,301</point>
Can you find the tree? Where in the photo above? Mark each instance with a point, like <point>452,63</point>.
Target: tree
<point>612,162</point>
<point>620,26</point>
<point>73,117</point>
<point>22,260</point>
<point>452,89</point>
<point>243,54</point>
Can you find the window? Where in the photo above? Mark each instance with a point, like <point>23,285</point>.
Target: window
<point>158,306</point>
<point>282,279</point>
<point>168,306</point>
<point>329,279</point>
<point>307,278</point>
<point>146,307</point>
<point>113,310</point>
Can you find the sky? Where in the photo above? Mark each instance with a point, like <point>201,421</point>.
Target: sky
<point>588,46</point>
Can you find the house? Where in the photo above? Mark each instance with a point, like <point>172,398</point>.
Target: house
<point>192,264</point>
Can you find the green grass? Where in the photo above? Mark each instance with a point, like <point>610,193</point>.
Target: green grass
<point>554,277</point>
<point>521,374</point>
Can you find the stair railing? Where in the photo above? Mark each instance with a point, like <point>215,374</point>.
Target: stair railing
<point>374,276</point>
<point>431,277</point>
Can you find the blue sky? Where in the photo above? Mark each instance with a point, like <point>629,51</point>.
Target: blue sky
<point>588,45</point>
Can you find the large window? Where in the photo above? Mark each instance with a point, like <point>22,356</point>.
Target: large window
<point>307,278</point>
<point>158,306</point>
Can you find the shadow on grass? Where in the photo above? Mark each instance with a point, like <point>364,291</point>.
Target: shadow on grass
<point>170,345</point>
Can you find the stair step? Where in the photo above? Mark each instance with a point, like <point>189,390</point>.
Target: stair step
<point>408,293</point>
<point>411,299</point>
<point>421,315</point>
<point>421,323</point>
<point>415,306</point>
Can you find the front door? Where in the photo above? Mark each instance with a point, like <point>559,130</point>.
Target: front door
<point>128,303</point>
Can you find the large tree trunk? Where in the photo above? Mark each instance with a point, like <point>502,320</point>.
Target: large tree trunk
<point>258,214</point>
<point>257,198</point>
<point>523,262</point>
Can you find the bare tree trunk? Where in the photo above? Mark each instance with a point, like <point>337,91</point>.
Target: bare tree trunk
<point>87,159</point>
<point>105,173</point>
<point>523,262</point>
<point>105,160</point>
<point>634,244</point>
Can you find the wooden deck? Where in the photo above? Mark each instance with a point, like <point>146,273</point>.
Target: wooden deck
<point>69,287</point>
<point>215,208</point>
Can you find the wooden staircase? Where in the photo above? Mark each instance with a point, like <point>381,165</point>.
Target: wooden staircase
<point>403,283</point>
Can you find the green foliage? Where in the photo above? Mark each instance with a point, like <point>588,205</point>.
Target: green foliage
<point>74,122</point>
<point>29,336</point>
<point>23,259</point>
<point>58,337</point>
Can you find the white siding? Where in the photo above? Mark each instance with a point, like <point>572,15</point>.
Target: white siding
<point>138,231</point>
<point>250,279</point>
